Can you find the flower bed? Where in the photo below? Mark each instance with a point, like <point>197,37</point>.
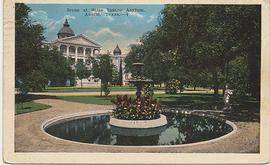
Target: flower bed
<point>144,108</point>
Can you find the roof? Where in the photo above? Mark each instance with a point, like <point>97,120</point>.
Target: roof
<point>66,29</point>
<point>78,40</point>
<point>117,50</point>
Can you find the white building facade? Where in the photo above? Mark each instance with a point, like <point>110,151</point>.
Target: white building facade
<point>80,48</point>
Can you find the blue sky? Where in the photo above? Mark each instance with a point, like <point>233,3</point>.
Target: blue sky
<point>107,30</point>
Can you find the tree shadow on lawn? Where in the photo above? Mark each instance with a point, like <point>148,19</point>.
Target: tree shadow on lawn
<point>29,97</point>
<point>244,108</point>
<point>192,101</point>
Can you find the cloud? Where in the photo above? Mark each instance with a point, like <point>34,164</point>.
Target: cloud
<point>109,39</point>
<point>151,18</point>
<point>136,14</point>
<point>103,32</point>
<point>50,24</point>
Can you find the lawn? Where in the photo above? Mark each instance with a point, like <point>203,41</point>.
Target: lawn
<point>183,101</point>
<point>200,100</point>
<point>92,89</point>
<point>88,99</point>
<point>29,106</point>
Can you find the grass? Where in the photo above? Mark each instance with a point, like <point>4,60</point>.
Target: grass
<point>92,89</point>
<point>29,106</point>
<point>88,99</point>
<point>185,101</point>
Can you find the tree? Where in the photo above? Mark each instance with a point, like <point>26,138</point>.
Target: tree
<point>56,67</point>
<point>202,39</point>
<point>82,72</point>
<point>120,74</point>
<point>239,76</point>
<point>115,76</point>
<point>212,36</point>
<point>103,69</point>
<point>28,37</point>
<point>35,65</point>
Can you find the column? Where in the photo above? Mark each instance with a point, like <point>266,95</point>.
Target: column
<point>76,54</point>
<point>84,49</point>
<point>91,55</point>
<point>67,50</point>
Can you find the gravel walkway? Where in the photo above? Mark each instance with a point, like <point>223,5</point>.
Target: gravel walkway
<point>29,136</point>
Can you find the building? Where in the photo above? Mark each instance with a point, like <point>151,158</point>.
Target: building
<point>80,48</point>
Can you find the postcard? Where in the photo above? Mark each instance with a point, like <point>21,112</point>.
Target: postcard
<point>136,82</point>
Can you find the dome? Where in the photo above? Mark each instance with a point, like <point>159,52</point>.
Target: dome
<point>117,50</point>
<point>65,31</point>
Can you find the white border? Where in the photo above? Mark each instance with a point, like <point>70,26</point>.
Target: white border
<point>134,158</point>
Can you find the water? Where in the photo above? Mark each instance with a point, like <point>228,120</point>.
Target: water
<point>181,129</point>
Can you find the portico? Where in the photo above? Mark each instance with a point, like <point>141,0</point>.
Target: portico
<point>81,48</point>
<point>77,47</point>
<point>78,52</point>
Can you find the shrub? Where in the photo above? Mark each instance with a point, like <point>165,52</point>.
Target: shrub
<point>148,90</point>
<point>33,81</point>
<point>105,88</point>
<point>172,86</point>
<point>128,108</point>
<point>138,77</point>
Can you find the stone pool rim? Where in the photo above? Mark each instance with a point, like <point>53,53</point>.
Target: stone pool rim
<point>142,124</point>
<point>80,115</point>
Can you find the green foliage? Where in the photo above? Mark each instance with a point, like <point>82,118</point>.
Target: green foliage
<point>238,76</point>
<point>120,74</point>
<point>103,69</point>
<point>202,39</point>
<point>144,108</point>
<point>35,65</point>
<point>148,90</point>
<point>34,81</point>
<point>105,88</point>
<point>56,67</point>
<point>131,58</point>
<point>115,76</point>
<point>172,86</point>
<point>28,39</point>
<point>82,72</point>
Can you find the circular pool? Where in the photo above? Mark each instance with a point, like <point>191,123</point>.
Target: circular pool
<point>181,129</point>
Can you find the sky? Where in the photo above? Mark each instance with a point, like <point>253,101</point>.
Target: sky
<point>108,25</point>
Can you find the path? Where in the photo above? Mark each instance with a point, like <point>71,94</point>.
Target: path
<point>29,136</point>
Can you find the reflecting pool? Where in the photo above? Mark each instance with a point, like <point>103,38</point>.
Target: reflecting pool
<point>181,129</point>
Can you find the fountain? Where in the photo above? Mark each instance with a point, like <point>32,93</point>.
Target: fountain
<point>140,116</point>
<point>138,80</point>
<point>138,122</point>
